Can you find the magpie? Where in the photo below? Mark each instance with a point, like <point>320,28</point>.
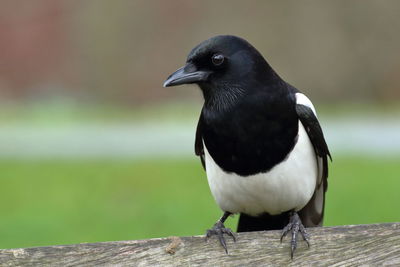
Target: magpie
<point>258,139</point>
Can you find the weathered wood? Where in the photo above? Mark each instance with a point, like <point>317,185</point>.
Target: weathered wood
<point>372,245</point>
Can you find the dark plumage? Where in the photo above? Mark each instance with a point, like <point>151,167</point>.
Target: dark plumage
<point>258,139</point>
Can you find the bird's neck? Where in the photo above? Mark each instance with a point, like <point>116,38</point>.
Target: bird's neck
<point>222,97</point>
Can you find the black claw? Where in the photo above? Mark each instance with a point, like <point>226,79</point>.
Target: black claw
<point>219,230</point>
<point>286,230</point>
<point>230,233</point>
<point>295,226</point>
<point>222,241</point>
<point>304,234</point>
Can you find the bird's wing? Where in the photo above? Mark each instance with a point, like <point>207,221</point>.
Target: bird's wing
<point>198,143</point>
<point>312,214</point>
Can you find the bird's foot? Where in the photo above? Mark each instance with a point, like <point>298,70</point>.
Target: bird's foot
<point>219,230</point>
<point>295,225</point>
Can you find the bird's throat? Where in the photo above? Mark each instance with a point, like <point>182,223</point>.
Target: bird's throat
<point>222,97</point>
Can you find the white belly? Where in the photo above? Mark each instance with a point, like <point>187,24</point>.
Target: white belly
<point>287,186</point>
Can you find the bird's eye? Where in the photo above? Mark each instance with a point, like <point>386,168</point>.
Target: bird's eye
<point>217,59</point>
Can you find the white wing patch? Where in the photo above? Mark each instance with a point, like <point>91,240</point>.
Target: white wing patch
<point>304,100</point>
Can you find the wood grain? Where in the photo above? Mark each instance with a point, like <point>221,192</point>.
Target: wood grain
<point>352,245</point>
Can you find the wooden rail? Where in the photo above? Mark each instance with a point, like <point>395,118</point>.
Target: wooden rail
<point>367,245</point>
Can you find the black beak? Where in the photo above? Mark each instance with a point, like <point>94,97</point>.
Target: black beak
<point>185,75</point>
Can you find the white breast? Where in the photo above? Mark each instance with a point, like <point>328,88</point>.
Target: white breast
<point>289,185</point>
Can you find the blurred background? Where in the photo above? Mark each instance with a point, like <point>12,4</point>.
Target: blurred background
<point>93,148</point>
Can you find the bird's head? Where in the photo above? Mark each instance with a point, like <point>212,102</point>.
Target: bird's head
<point>223,65</point>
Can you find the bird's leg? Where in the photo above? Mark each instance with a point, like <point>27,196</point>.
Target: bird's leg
<point>219,230</point>
<point>295,225</point>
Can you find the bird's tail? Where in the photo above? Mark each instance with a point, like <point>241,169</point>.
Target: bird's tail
<point>262,222</point>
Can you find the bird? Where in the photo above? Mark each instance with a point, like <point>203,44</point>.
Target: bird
<point>258,139</point>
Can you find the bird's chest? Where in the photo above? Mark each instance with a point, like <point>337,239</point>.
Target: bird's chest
<point>249,141</point>
<point>288,185</point>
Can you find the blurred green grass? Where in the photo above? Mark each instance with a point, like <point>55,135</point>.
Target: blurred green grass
<point>61,201</point>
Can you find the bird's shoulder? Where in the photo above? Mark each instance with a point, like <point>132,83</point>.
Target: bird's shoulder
<point>308,116</point>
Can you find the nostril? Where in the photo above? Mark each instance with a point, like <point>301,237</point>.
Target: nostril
<point>190,67</point>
